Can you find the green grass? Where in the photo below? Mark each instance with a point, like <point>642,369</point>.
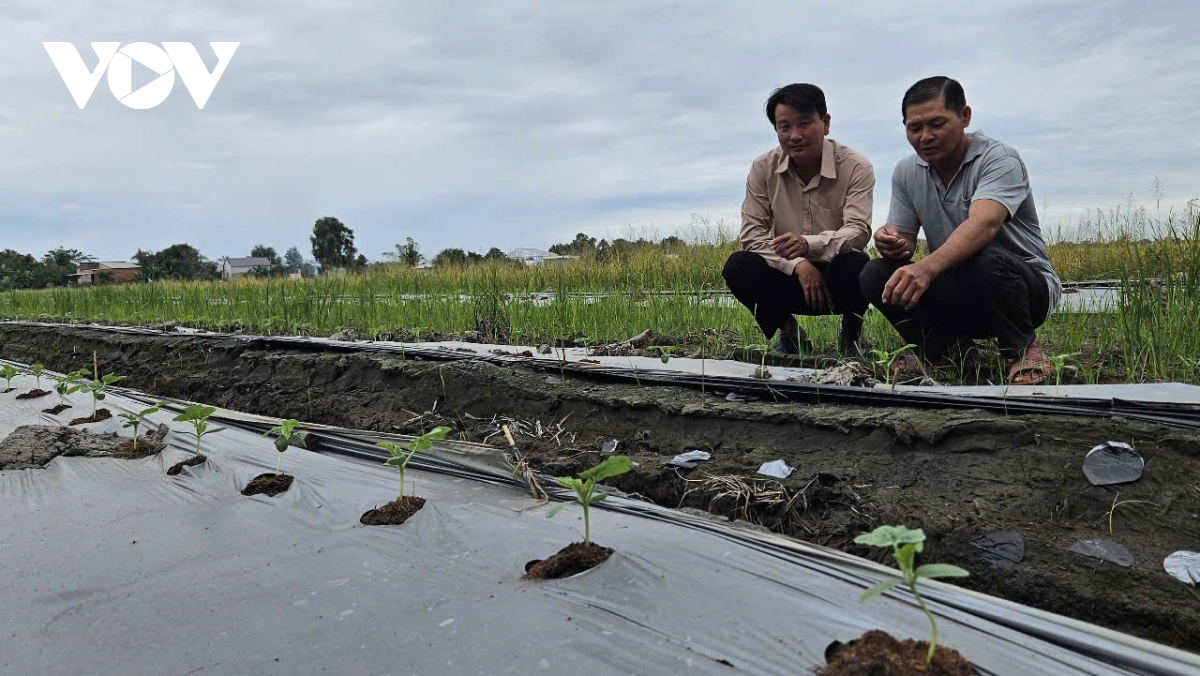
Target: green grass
<point>1151,336</point>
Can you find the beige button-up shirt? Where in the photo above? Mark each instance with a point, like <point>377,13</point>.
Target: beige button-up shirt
<point>832,212</point>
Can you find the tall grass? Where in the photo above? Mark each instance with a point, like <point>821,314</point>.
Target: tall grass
<point>1150,336</point>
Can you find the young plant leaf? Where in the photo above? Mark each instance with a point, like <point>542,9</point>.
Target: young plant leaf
<point>936,570</point>
<point>878,589</point>
<point>890,536</point>
<point>612,466</point>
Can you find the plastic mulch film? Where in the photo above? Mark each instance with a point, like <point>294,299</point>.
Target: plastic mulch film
<point>113,567</point>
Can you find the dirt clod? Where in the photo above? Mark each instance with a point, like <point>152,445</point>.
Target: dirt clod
<point>877,653</point>
<point>393,513</point>
<point>269,484</point>
<point>100,416</point>
<point>571,560</point>
<point>33,394</point>
<point>190,462</point>
<point>34,446</point>
<point>56,409</point>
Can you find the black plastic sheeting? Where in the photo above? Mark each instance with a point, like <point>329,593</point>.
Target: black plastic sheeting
<point>1176,415</point>
<point>113,567</point>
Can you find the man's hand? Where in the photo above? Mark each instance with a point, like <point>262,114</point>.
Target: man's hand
<point>892,243</point>
<point>908,284</point>
<point>789,246</point>
<point>816,296</point>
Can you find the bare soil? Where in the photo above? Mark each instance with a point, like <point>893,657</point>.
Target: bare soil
<point>958,475</point>
<point>393,513</point>
<point>99,416</point>
<point>34,446</point>
<point>58,408</point>
<point>33,394</point>
<point>269,484</point>
<point>190,462</point>
<point>878,653</point>
<point>571,560</point>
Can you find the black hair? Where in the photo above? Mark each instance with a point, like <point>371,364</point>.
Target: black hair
<point>805,98</point>
<point>932,88</point>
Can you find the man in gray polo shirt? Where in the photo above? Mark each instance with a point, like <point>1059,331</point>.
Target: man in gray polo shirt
<point>988,274</point>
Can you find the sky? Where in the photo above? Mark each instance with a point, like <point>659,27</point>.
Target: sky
<point>518,124</point>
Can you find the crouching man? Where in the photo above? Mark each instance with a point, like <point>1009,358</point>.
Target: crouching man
<point>988,274</point>
<point>806,222</point>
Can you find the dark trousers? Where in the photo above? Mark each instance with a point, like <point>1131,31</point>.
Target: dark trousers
<point>772,295</point>
<point>992,294</point>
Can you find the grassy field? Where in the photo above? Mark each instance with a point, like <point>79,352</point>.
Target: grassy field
<point>1151,336</point>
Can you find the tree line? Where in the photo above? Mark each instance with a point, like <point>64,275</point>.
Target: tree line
<point>333,248</point>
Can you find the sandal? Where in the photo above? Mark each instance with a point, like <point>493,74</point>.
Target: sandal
<point>1033,368</point>
<point>906,365</point>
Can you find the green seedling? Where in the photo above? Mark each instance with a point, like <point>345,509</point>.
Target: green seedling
<point>401,456</point>
<point>8,372</point>
<point>97,387</point>
<point>763,348</point>
<point>1060,364</point>
<point>136,420</point>
<point>665,352</point>
<point>886,358</point>
<point>65,384</point>
<point>197,415</point>
<point>37,373</point>
<point>585,488</point>
<point>906,544</point>
<point>285,436</point>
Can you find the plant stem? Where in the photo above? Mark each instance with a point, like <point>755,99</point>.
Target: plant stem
<point>587,528</point>
<point>279,465</point>
<point>401,485</point>
<point>921,602</point>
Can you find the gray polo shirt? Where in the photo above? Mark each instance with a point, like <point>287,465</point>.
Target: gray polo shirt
<point>991,170</point>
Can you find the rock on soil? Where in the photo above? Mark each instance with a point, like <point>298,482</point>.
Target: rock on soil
<point>34,446</point>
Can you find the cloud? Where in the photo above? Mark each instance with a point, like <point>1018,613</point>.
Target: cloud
<point>521,123</point>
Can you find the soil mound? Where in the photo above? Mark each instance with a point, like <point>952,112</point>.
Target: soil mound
<point>34,446</point>
<point>571,560</point>
<point>268,484</point>
<point>393,513</point>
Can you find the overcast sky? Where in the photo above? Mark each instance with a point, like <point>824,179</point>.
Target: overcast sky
<point>526,122</point>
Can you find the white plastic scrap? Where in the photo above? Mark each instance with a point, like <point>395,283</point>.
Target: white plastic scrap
<point>690,459</point>
<point>776,468</point>
<point>609,446</point>
<point>1184,566</point>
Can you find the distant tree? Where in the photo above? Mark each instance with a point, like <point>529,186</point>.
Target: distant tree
<point>360,263</point>
<point>293,260</point>
<point>582,245</point>
<point>178,261</point>
<point>408,253</point>
<point>274,269</point>
<point>333,244</point>
<point>473,257</point>
<point>495,254</point>
<point>58,265</point>
<point>450,257</point>
<point>17,270</point>
<point>672,244</point>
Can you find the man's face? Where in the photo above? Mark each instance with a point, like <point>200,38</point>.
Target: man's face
<point>800,136</point>
<point>935,131</point>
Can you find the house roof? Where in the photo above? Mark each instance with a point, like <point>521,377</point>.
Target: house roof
<point>118,265</point>
<point>526,252</point>
<point>248,262</point>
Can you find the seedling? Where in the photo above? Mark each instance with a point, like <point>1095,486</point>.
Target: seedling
<point>65,384</point>
<point>286,436</point>
<point>886,358</point>
<point>585,488</point>
<point>1060,364</point>
<point>401,456</point>
<point>97,387</point>
<point>763,348</point>
<point>37,373</point>
<point>906,544</point>
<point>8,372</point>
<point>196,415</point>
<point>136,420</point>
<point>665,352</point>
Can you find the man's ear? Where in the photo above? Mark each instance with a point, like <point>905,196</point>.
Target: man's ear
<point>966,116</point>
<point>826,121</point>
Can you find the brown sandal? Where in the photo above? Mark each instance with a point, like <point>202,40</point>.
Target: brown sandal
<point>906,365</point>
<point>1033,368</point>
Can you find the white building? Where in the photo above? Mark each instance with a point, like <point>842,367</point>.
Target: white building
<point>534,256</point>
<point>236,267</point>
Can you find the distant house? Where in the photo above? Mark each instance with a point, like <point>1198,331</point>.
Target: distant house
<point>534,256</point>
<point>114,272</point>
<point>236,267</point>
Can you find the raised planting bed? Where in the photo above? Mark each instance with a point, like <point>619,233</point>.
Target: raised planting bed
<point>1004,497</point>
<point>678,593</point>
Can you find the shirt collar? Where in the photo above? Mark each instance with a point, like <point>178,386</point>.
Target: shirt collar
<point>828,161</point>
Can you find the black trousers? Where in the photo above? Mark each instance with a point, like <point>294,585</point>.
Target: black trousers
<point>992,294</point>
<point>772,295</point>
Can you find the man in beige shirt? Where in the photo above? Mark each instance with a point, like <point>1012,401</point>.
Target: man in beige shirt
<point>806,221</point>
